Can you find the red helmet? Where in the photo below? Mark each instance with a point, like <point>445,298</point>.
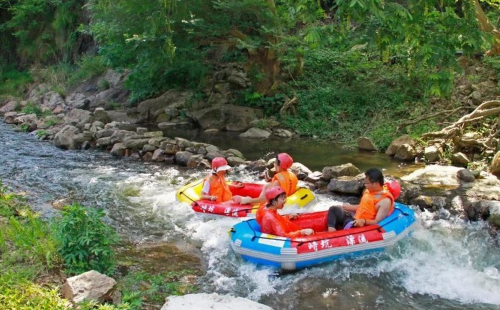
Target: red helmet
<point>273,192</point>
<point>219,164</point>
<point>394,188</point>
<point>285,160</point>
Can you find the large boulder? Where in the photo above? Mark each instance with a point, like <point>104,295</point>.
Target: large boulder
<point>226,117</point>
<point>148,109</point>
<point>397,143</point>
<point>211,301</point>
<point>65,138</point>
<point>495,164</point>
<point>255,133</point>
<point>89,286</point>
<point>348,169</point>
<point>366,144</point>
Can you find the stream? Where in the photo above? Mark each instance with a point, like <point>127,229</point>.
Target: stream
<point>446,263</point>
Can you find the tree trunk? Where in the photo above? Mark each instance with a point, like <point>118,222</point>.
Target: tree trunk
<point>487,26</point>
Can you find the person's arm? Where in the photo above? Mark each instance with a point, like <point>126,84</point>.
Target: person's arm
<point>384,206</point>
<point>205,192</point>
<point>350,207</point>
<point>272,225</point>
<point>262,196</point>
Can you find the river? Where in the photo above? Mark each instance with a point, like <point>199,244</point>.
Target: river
<point>446,264</point>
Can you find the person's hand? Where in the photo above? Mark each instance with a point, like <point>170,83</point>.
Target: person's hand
<point>245,200</point>
<point>213,198</point>
<point>359,223</point>
<point>293,216</point>
<point>238,184</point>
<point>306,231</point>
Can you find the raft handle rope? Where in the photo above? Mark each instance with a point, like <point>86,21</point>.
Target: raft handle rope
<point>182,193</point>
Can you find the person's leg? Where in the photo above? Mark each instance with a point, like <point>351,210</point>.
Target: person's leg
<point>335,218</point>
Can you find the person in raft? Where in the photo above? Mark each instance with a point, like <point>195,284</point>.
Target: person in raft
<point>271,222</point>
<point>376,204</point>
<point>215,187</point>
<point>283,178</point>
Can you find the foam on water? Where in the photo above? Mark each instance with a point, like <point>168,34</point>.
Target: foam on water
<point>446,258</point>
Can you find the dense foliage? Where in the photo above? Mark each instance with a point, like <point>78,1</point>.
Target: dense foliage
<point>286,47</point>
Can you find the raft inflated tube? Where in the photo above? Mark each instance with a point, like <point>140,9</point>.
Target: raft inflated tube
<point>191,194</point>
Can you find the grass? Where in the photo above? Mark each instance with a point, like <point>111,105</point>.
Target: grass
<point>31,267</point>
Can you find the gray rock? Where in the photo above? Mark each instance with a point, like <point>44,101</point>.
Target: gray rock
<point>406,153</point>
<point>366,144</point>
<point>89,286</point>
<point>396,144</point>
<point>255,133</point>
<point>465,175</point>
<point>65,138</point>
<point>339,171</point>
<point>182,158</point>
<point>118,149</point>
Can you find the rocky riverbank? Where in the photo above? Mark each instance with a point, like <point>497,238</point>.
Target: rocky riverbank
<point>469,194</point>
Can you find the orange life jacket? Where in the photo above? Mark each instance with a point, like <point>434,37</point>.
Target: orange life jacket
<point>275,224</point>
<point>219,188</point>
<point>287,180</point>
<point>367,209</point>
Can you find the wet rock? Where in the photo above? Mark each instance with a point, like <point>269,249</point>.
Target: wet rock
<point>235,161</point>
<point>433,203</point>
<point>282,133</point>
<point>300,170</point>
<point>9,107</point>
<point>234,152</point>
<point>118,149</point>
<point>495,164</point>
<point>211,301</point>
<point>255,133</point>
<point>465,175</point>
<point>432,153</point>
<point>194,161</point>
<point>348,169</point>
<point>182,158</point>
<point>396,144</point>
<point>460,159</point>
<point>101,116</point>
<point>158,155</point>
<point>406,153</point>
<point>65,138</point>
<point>347,185</point>
<point>211,155</point>
<point>366,144</point>
<point>258,165</point>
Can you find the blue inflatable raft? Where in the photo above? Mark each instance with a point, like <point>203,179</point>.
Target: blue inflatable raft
<point>289,254</point>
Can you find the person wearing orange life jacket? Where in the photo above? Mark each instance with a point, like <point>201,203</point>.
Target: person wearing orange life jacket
<point>215,187</point>
<point>376,204</point>
<point>283,178</point>
<point>271,222</point>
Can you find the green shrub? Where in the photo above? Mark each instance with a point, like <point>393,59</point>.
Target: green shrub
<point>13,82</point>
<point>31,108</point>
<point>85,241</point>
<point>28,296</point>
